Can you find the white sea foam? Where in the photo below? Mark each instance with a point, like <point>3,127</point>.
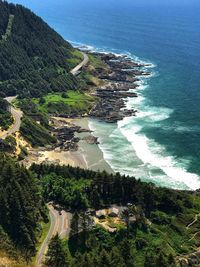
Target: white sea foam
<point>150,152</point>
<point>151,156</point>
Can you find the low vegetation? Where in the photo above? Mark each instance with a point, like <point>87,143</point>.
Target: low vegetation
<point>75,59</point>
<point>70,103</point>
<point>8,145</point>
<point>96,62</point>
<point>88,77</point>
<point>6,118</point>
<point>35,134</point>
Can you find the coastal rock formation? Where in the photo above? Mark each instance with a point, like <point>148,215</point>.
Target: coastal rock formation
<point>90,139</point>
<point>66,138</point>
<point>119,83</point>
<point>65,133</point>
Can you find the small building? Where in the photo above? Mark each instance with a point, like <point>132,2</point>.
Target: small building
<point>101,214</point>
<point>113,212</point>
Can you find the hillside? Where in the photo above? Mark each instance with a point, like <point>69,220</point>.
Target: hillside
<point>34,59</point>
<point>155,227</point>
<point>5,116</point>
<point>21,211</point>
<point>156,219</point>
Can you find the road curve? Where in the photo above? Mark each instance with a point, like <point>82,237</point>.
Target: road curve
<point>75,71</point>
<point>48,237</point>
<point>194,221</point>
<point>17,115</point>
<point>60,223</point>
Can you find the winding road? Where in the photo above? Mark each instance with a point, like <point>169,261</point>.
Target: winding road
<point>60,223</point>
<point>60,220</point>
<point>193,222</point>
<point>75,71</point>
<point>17,115</point>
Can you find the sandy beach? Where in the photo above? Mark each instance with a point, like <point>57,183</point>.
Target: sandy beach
<point>91,153</point>
<point>88,156</point>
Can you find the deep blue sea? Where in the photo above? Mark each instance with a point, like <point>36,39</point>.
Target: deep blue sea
<point>163,143</point>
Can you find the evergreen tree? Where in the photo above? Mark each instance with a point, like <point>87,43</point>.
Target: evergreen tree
<point>105,260</point>
<point>125,248</point>
<point>57,255</point>
<point>161,261</point>
<point>87,260</point>
<point>75,224</point>
<point>21,205</point>
<point>116,258</point>
<point>171,260</point>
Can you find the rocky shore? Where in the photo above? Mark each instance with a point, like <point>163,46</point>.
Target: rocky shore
<point>119,82</point>
<point>119,78</point>
<point>65,133</point>
<point>122,75</point>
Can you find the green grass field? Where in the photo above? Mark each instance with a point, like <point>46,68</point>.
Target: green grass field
<point>65,102</point>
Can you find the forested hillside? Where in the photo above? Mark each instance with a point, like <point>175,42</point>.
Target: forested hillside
<point>34,59</point>
<point>153,219</point>
<point>21,209</point>
<point>5,116</point>
<point>155,230</point>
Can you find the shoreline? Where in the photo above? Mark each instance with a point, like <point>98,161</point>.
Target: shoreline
<point>92,153</point>
<point>121,75</point>
<point>88,156</point>
<point>123,83</point>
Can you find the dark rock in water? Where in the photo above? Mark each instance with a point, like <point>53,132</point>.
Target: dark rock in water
<point>121,75</point>
<point>90,139</point>
<point>82,130</point>
<point>66,137</point>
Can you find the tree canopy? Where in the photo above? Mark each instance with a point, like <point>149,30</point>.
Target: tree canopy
<point>34,59</point>
<point>21,205</point>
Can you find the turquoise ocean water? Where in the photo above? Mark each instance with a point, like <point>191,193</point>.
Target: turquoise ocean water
<point>162,144</point>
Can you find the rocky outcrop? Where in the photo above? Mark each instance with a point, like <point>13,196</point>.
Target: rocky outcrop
<point>122,76</point>
<point>90,139</point>
<point>190,260</point>
<point>65,135</point>
<point>66,139</point>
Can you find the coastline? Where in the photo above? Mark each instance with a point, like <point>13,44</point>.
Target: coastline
<point>88,156</point>
<point>124,113</point>
<point>91,153</point>
<point>120,83</point>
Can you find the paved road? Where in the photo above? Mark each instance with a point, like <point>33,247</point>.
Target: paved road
<point>75,71</point>
<point>60,223</point>
<point>17,115</point>
<point>195,220</point>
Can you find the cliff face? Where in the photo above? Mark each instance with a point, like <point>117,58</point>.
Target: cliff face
<point>34,59</point>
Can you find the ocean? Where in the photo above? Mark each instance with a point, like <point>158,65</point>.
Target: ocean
<point>161,144</point>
